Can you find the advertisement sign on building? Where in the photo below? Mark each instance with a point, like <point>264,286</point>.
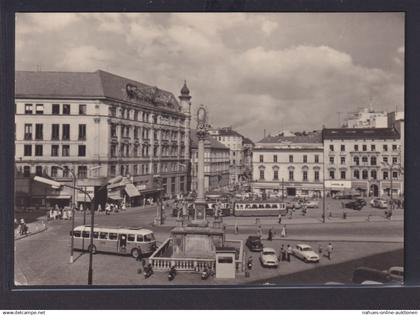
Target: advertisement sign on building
<point>337,184</point>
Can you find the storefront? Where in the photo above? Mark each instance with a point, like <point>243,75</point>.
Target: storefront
<point>361,187</point>
<point>333,187</point>
<point>397,190</point>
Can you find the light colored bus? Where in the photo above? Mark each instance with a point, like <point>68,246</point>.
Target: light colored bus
<point>259,208</point>
<point>132,241</point>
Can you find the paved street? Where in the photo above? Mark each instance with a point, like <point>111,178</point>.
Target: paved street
<point>44,258</point>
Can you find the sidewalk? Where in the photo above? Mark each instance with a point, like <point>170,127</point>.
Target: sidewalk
<point>33,228</point>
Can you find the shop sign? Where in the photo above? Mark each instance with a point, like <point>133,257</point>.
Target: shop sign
<point>337,184</point>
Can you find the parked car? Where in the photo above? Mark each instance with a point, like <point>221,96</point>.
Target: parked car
<point>253,242</point>
<point>355,205</point>
<point>342,196</point>
<point>268,257</point>
<point>361,201</point>
<point>306,253</point>
<point>396,273</point>
<point>312,204</point>
<point>364,274</point>
<point>379,203</point>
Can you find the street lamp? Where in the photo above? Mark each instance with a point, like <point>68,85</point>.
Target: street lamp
<point>158,219</point>
<point>56,185</point>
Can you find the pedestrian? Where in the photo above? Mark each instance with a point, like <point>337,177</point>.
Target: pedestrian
<point>270,235</point>
<point>279,218</point>
<point>368,218</point>
<point>289,252</point>
<point>283,231</point>
<point>260,231</point>
<point>329,251</point>
<point>320,250</point>
<point>236,228</point>
<point>283,253</point>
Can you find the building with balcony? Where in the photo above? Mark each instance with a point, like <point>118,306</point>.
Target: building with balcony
<point>216,163</point>
<point>289,164</point>
<point>99,125</point>
<point>364,159</point>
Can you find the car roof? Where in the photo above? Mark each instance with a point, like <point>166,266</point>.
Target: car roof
<point>303,245</point>
<point>397,268</point>
<point>254,237</point>
<point>268,249</point>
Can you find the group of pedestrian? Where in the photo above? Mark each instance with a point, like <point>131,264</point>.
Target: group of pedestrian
<point>328,252</point>
<point>285,253</point>
<point>114,208</point>
<point>59,213</point>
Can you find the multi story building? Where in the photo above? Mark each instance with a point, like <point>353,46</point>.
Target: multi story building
<point>291,165</point>
<point>98,125</point>
<point>248,146</point>
<point>234,141</point>
<point>216,163</point>
<point>363,159</point>
<point>367,118</point>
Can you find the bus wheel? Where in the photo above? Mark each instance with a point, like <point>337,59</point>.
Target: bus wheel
<point>92,249</point>
<point>135,253</point>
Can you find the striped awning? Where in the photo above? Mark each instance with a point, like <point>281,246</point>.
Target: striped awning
<point>131,190</point>
<point>114,195</point>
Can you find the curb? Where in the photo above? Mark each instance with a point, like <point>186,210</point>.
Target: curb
<point>303,239</point>
<point>30,234</point>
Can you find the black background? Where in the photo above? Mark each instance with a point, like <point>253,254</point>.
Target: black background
<point>231,297</point>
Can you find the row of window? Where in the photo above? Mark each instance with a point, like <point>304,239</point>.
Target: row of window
<point>291,158</point>
<point>130,114</point>
<point>364,147</point>
<point>364,174</point>
<point>291,175</point>
<point>54,171</point>
<point>55,132</point>
<point>56,109</point>
<point>365,159</point>
<point>55,150</point>
<point>129,150</point>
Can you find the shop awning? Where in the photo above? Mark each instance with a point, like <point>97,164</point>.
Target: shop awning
<point>114,195</point>
<point>131,190</point>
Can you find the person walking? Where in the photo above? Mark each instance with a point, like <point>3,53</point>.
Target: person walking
<point>270,235</point>
<point>279,218</point>
<point>260,231</point>
<point>283,253</point>
<point>283,231</point>
<point>236,227</point>
<point>329,251</point>
<point>289,252</point>
<point>320,250</point>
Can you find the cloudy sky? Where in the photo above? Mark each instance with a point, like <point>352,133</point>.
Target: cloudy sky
<point>291,71</point>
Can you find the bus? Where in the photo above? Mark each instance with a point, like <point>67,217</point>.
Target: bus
<point>134,241</point>
<point>259,208</point>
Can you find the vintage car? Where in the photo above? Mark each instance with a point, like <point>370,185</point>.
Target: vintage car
<point>268,257</point>
<point>254,243</point>
<point>355,205</point>
<point>379,203</point>
<point>311,204</point>
<point>306,253</point>
<point>396,273</point>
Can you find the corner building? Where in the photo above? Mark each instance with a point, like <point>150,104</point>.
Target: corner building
<point>99,125</point>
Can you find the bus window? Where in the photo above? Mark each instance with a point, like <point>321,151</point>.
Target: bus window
<point>149,238</point>
<point>95,234</point>
<point>274,206</point>
<point>139,238</point>
<point>77,233</point>
<point>103,235</point>
<point>85,234</point>
<point>112,236</point>
<point>131,238</point>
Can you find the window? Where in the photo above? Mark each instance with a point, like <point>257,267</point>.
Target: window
<point>342,148</point>
<point>173,185</point>
<point>113,170</point>
<point>66,171</point>
<point>131,237</point>
<point>356,174</point>
<point>394,160</point>
<point>28,108</point>
<point>28,132</point>
<point>332,174</point>
<point>82,150</point>
<point>38,170</point>
<point>275,158</point>
<point>364,174</point>
<point>54,171</point>
<point>27,150</point>
<point>66,132</point>
<point>103,235</point>
<point>55,132</point>
<point>38,150</point>
<point>373,160</point>
<point>356,147</point>
<point>316,158</point>
<point>372,147</point>
<point>356,160</point>
<point>56,109</point>
<point>343,160</point>
<point>261,158</point>
<point>364,159</point>
<point>54,150</point>
<point>290,158</point>
<point>276,175</point>
<point>394,147</point>
<point>291,176</point>
<point>385,147</point>
<point>66,109</point>
<point>305,176</point>
<point>342,174</point>
<point>82,171</point>
<point>26,171</point>
<point>385,159</point>
<point>373,174</point>
<point>331,160</point>
<point>364,147</point>
<point>85,234</point>
<point>385,175</point>
<point>82,132</point>
<point>39,109</point>
<point>113,130</point>
<point>394,175</point>
<point>316,175</point>
<point>305,159</point>
<point>82,109</point>
<point>262,174</point>
<point>38,132</point>
<point>331,147</point>
<point>66,150</point>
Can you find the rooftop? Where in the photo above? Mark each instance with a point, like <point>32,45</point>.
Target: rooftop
<point>209,142</point>
<point>98,84</point>
<point>228,131</point>
<point>360,133</point>
<point>298,137</point>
